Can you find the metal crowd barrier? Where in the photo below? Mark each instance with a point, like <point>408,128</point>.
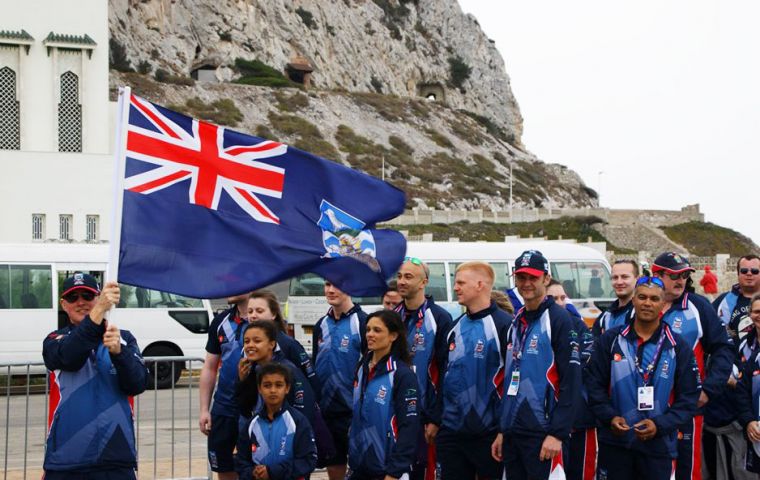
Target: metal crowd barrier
<point>169,443</point>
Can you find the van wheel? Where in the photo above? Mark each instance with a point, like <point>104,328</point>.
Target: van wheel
<point>162,378</point>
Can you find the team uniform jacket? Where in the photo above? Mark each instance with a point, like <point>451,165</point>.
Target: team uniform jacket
<point>225,338</point>
<point>285,445</point>
<point>91,427</point>
<point>472,366</point>
<point>425,326</point>
<point>548,361</point>
<point>584,418</point>
<point>748,386</point>
<point>613,381</point>
<point>294,351</point>
<point>732,307</point>
<point>613,317</point>
<point>385,425</point>
<point>338,345</point>
<point>692,317</point>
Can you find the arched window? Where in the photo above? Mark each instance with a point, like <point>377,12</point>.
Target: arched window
<point>69,115</point>
<point>10,131</point>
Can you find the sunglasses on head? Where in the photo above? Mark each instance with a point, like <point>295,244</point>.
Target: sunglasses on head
<point>414,260</point>
<point>753,271</point>
<point>74,296</point>
<point>650,280</point>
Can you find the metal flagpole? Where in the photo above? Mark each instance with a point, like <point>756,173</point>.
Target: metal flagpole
<point>120,160</point>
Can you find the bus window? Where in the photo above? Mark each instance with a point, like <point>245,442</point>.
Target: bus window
<point>501,275</point>
<point>583,279</point>
<point>307,285</point>
<point>26,286</point>
<point>138,297</point>
<point>437,282</point>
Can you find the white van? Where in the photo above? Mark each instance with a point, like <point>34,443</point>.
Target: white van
<point>583,271</point>
<point>31,276</point>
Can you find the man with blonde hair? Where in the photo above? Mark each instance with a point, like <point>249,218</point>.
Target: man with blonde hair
<point>472,367</point>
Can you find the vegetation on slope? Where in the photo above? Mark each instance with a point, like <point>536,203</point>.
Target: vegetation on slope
<point>577,228</point>
<point>706,239</point>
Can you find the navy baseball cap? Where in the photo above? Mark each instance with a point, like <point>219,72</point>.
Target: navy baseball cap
<point>532,262</point>
<point>81,281</point>
<point>671,262</point>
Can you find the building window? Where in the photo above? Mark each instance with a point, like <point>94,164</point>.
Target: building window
<point>10,130</point>
<point>65,223</point>
<point>69,115</point>
<point>38,226</point>
<point>92,228</point>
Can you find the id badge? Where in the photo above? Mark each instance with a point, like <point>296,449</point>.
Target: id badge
<point>514,384</point>
<point>646,398</point>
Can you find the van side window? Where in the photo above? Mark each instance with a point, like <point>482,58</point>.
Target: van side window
<point>26,286</point>
<point>583,280</point>
<point>437,282</point>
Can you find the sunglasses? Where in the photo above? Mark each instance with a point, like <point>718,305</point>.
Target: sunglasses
<point>676,276</point>
<point>753,271</point>
<point>649,281</point>
<point>413,260</point>
<point>74,296</point>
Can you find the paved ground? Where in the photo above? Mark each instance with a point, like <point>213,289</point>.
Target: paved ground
<point>159,440</point>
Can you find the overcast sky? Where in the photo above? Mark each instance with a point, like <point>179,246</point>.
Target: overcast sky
<point>662,96</point>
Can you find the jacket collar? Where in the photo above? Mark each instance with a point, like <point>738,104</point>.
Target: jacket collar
<point>630,334</point>
<point>351,311</point>
<point>483,313</point>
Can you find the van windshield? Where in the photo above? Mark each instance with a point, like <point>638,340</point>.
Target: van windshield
<point>583,280</point>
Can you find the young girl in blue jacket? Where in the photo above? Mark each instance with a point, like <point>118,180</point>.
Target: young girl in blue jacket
<point>385,423</point>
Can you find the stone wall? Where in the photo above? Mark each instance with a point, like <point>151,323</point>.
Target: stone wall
<point>654,218</point>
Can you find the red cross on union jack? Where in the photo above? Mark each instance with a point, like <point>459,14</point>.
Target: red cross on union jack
<point>201,156</point>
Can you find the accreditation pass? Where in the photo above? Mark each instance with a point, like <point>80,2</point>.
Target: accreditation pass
<point>646,398</point>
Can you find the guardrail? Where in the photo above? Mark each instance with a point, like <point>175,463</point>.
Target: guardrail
<point>169,444</point>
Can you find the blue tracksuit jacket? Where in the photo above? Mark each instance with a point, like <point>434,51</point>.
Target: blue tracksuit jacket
<point>284,444</point>
<point>425,328</point>
<point>294,351</point>
<point>584,417</point>
<point>732,308</point>
<point>548,362</point>
<point>385,425</point>
<point>471,363</point>
<point>613,317</point>
<point>692,317</point>
<point>613,380</point>
<point>337,345</point>
<point>92,427</point>
<point>226,339</point>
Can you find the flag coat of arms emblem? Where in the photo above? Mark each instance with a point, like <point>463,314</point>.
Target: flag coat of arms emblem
<point>210,212</point>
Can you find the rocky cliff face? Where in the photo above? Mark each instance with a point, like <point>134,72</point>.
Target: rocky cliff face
<point>374,63</point>
<point>398,47</point>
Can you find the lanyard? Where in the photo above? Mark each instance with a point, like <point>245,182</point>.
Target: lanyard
<point>646,375</point>
<point>401,309</point>
<point>517,350</point>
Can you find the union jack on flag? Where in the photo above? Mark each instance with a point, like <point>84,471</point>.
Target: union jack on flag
<point>203,153</point>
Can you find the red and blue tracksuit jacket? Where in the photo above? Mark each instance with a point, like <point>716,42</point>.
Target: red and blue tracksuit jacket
<point>338,344</point>
<point>613,317</point>
<point>692,317</point>
<point>226,339</point>
<point>91,426</point>
<point>747,395</point>
<point>471,363</point>
<point>385,425</point>
<point>544,346</point>
<point>284,444</point>
<point>613,380</point>
<point>425,326</point>
<point>295,353</point>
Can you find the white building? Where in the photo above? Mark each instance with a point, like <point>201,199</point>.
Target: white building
<point>56,121</point>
